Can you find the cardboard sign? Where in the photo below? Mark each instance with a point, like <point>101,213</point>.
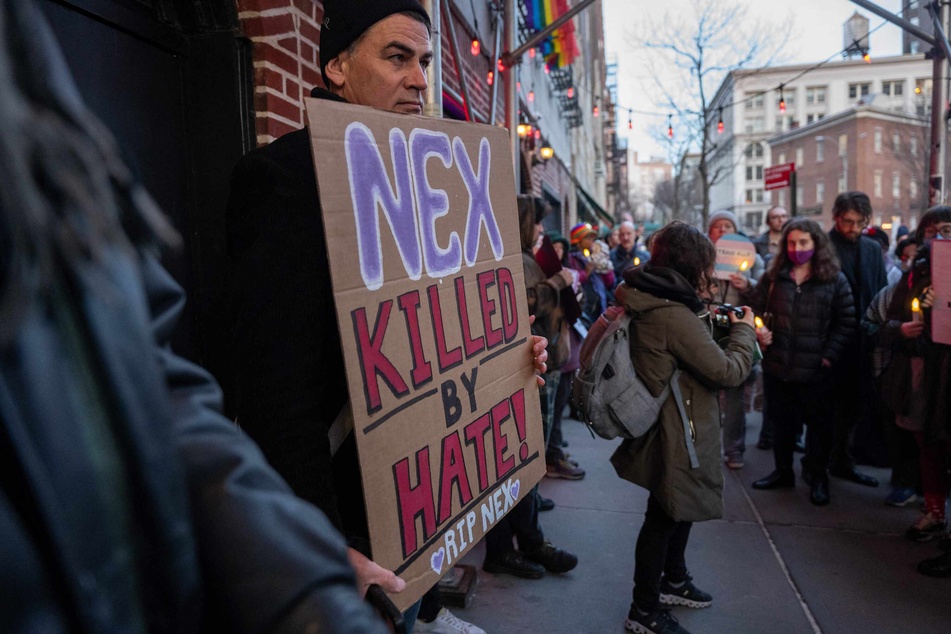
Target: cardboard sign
<point>425,257</point>
<point>941,280</point>
<point>735,253</point>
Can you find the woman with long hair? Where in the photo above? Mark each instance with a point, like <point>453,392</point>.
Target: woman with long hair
<point>671,329</point>
<point>809,317</point>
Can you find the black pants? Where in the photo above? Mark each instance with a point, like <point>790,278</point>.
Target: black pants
<point>853,389</point>
<point>792,405</point>
<point>660,551</point>
<point>562,396</point>
<point>521,523</point>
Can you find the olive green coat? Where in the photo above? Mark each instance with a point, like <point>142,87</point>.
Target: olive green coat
<point>665,335</point>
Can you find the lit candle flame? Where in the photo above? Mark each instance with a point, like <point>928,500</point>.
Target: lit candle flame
<point>758,321</point>
<point>915,310</point>
<point>745,265</point>
<point>637,261</point>
<point>587,253</point>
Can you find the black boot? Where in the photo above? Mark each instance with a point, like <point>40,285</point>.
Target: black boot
<point>819,489</point>
<point>777,480</point>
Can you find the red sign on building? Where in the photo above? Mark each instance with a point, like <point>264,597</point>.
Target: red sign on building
<point>777,176</point>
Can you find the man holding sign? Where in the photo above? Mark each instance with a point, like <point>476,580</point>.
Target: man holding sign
<point>291,379</point>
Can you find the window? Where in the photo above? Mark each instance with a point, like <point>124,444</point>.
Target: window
<point>782,157</point>
<point>843,183</point>
<point>914,20</point>
<point>755,124</point>
<point>799,196</point>
<point>923,86</point>
<point>815,94</point>
<point>859,90</point>
<point>894,88</point>
<point>754,150</point>
<point>878,140</point>
<point>896,185</point>
<point>913,146</point>
<point>913,190</point>
<point>820,192</point>
<point>749,172</point>
<point>754,101</point>
<point>896,142</point>
<point>782,198</point>
<point>913,47</point>
<point>754,195</point>
<point>810,118</point>
<point>877,184</point>
<point>779,124</point>
<point>843,145</point>
<point>820,149</point>
<point>789,96</point>
<point>799,161</point>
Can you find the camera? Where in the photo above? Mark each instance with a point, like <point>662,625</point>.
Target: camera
<point>721,317</point>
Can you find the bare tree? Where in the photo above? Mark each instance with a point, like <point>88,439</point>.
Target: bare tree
<point>696,50</point>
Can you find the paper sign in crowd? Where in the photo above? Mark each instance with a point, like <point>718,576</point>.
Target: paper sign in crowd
<point>423,242</point>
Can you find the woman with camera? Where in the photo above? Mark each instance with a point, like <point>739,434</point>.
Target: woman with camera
<point>671,329</point>
<point>809,317</point>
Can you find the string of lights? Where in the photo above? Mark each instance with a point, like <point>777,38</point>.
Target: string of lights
<point>622,108</point>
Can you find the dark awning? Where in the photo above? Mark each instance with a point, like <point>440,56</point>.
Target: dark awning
<point>591,206</point>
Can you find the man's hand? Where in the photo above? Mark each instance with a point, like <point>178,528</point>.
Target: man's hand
<point>539,352</point>
<point>369,573</point>
<point>912,329</point>
<point>928,297</point>
<point>764,336</point>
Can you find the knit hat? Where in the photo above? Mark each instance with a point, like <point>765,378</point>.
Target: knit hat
<point>580,231</point>
<point>346,20</point>
<point>724,215</point>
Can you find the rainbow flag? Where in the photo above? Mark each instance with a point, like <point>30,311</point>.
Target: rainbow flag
<point>561,48</point>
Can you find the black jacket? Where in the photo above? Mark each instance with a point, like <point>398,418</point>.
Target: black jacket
<point>220,541</point>
<point>810,322</point>
<point>289,366</point>
<point>863,267</point>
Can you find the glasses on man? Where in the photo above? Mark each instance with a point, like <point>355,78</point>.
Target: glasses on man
<point>858,224</point>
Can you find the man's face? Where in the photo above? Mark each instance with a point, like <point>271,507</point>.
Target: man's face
<point>719,228</point>
<point>626,236</point>
<point>776,219</point>
<point>387,68</point>
<point>850,224</point>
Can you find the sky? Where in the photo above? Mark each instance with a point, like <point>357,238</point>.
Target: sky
<point>815,34</point>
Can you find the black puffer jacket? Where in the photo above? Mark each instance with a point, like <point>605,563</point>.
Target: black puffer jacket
<point>810,322</point>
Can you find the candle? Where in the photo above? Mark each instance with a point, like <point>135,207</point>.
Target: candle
<point>745,265</point>
<point>587,253</point>
<point>915,310</point>
<point>758,321</point>
<point>637,261</point>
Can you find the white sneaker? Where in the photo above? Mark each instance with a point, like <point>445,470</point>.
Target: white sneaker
<point>447,623</point>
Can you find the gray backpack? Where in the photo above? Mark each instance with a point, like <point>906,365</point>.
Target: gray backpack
<point>609,396</point>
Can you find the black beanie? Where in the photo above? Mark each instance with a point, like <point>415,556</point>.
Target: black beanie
<point>346,20</point>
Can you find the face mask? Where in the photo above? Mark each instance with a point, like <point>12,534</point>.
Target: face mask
<point>800,257</point>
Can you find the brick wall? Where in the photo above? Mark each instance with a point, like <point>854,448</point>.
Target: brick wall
<point>285,35</point>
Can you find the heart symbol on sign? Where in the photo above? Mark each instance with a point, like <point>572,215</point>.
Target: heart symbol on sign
<point>437,559</point>
<point>514,489</point>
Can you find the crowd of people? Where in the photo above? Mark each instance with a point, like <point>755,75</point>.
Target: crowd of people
<point>130,503</point>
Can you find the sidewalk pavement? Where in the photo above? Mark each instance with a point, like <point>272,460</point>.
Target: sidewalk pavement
<point>773,564</point>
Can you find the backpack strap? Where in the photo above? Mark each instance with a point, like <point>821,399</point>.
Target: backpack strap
<point>678,397</point>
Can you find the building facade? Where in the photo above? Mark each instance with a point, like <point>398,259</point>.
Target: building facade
<point>880,152</point>
<point>643,177</point>
<point>748,103</point>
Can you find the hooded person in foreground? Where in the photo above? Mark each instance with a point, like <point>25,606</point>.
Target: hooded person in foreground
<point>128,503</point>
